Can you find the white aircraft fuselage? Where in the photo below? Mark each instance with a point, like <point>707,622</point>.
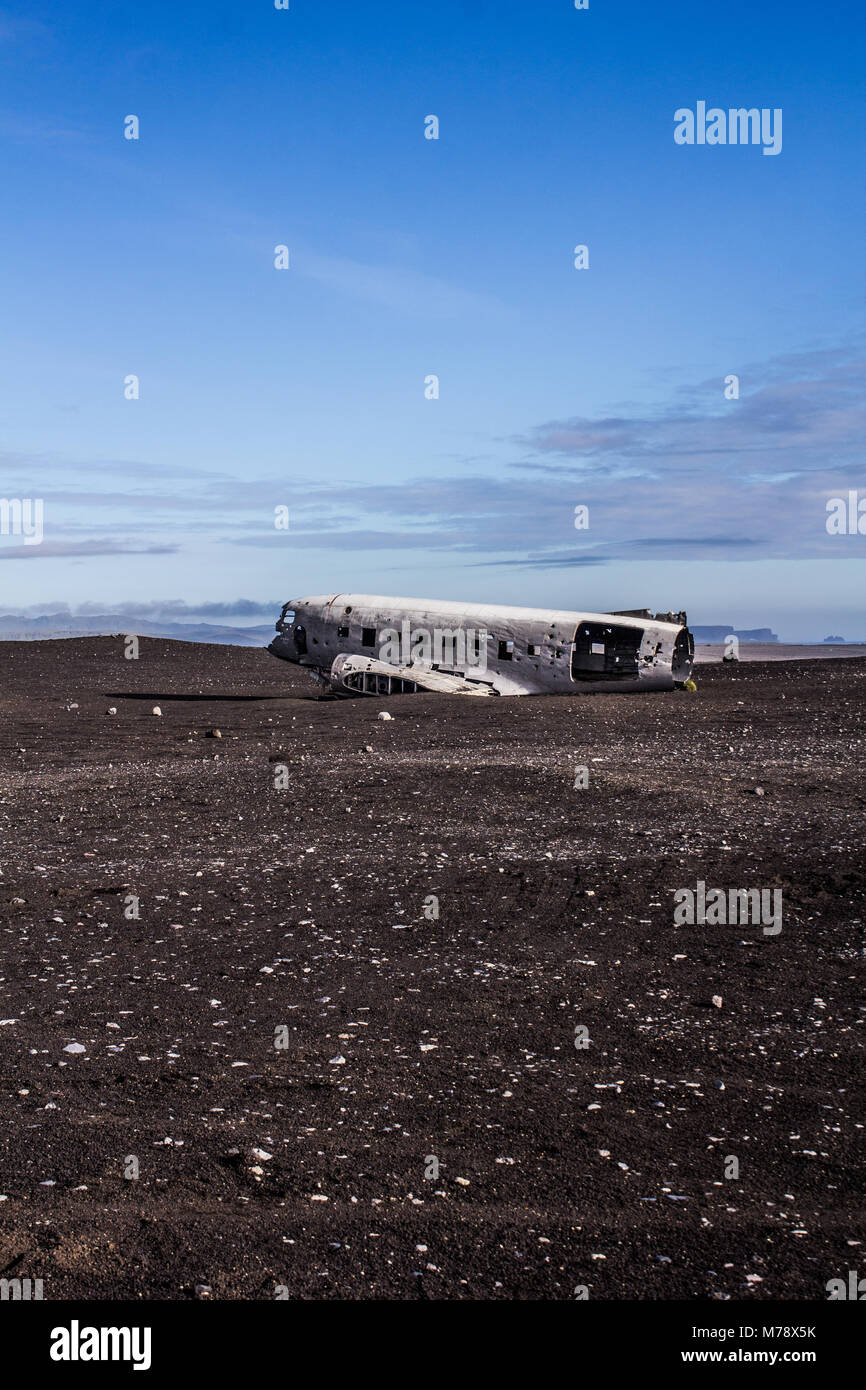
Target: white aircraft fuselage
<point>370,644</point>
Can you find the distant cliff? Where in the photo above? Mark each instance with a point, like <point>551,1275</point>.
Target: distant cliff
<point>717,633</point>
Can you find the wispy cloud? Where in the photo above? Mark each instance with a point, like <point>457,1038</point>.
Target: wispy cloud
<point>174,610</point>
<point>16,28</point>
<point>699,476</point>
<point>52,549</point>
<point>392,287</point>
<point>809,424</point>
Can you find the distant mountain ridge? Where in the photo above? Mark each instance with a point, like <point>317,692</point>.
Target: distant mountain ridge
<point>53,625</point>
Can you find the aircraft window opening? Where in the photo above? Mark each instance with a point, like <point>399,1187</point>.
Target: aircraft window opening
<point>368,637</point>
<point>506,649</point>
<point>300,637</point>
<point>348,609</point>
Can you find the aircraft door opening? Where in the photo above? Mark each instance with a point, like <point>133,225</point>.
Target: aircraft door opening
<point>605,651</point>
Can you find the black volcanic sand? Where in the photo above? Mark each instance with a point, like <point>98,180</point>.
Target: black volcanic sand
<point>302,909</point>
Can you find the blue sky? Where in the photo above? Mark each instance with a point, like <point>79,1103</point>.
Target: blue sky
<point>453,257</point>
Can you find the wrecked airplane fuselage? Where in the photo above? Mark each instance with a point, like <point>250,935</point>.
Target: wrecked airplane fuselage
<point>363,644</point>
